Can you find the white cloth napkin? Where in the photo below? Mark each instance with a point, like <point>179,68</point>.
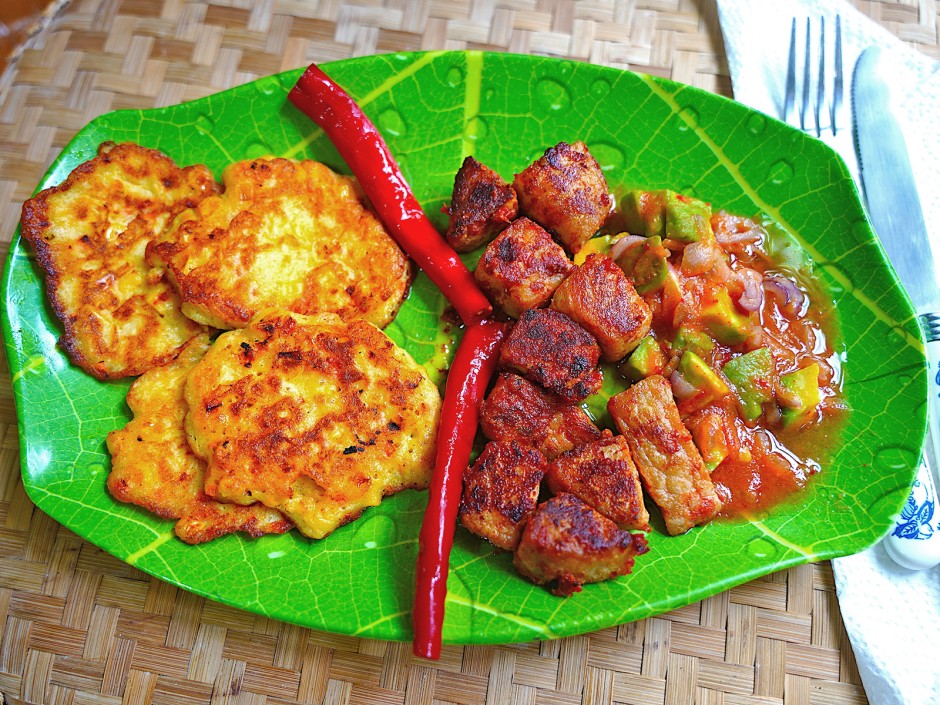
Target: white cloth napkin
<point>892,615</point>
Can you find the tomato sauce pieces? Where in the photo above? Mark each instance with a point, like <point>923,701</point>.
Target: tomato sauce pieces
<point>744,337</point>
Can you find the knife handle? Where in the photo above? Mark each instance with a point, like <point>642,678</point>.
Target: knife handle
<point>914,542</point>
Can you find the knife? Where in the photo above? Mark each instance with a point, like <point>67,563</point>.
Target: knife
<point>895,212</point>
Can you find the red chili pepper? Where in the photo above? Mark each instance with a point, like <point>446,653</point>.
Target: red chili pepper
<point>361,145</point>
<point>467,380</point>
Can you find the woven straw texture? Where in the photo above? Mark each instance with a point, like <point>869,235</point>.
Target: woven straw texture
<point>78,626</point>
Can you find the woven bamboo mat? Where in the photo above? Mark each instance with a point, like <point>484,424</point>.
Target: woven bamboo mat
<point>78,626</point>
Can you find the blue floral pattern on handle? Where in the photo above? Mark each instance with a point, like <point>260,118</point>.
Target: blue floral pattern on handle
<point>917,515</point>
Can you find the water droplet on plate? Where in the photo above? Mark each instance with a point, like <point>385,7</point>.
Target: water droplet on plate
<point>454,76</point>
<point>392,123</point>
<point>761,548</point>
<point>267,86</point>
<point>552,95</point>
<point>475,129</point>
<point>756,124</point>
<point>895,458</point>
<point>600,88</point>
<point>256,150</point>
<point>608,156</point>
<point>687,119</point>
<point>780,172</point>
<point>205,124</point>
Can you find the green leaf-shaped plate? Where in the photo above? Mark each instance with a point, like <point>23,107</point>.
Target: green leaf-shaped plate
<point>434,109</point>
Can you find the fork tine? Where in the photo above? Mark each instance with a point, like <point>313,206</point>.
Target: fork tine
<point>806,62</point>
<point>821,93</point>
<point>790,95</point>
<point>821,80</point>
<point>837,88</point>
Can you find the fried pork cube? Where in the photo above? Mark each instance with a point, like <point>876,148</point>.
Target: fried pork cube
<point>670,465</point>
<point>518,410</point>
<point>566,193</point>
<point>481,206</point>
<point>522,267</point>
<point>566,544</point>
<point>501,491</point>
<point>550,349</point>
<point>599,297</point>
<point>604,476</point>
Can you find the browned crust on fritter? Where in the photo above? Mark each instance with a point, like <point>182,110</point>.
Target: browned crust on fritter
<point>566,193</point>
<point>604,476</point>
<point>550,349</point>
<point>670,464</point>
<point>517,409</point>
<point>501,490</point>
<point>522,267</point>
<point>312,415</point>
<point>81,324</point>
<point>600,297</point>
<point>284,234</point>
<point>482,205</point>
<point>567,544</point>
<point>153,467</point>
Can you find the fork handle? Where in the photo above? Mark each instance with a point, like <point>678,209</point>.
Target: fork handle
<point>914,542</point>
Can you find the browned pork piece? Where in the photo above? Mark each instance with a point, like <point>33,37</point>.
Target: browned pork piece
<point>501,491</point>
<point>566,544</point>
<point>550,349</point>
<point>518,410</point>
<point>566,193</point>
<point>603,474</point>
<point>482,204</point>
<point>599,297</point>
<point>670,465</point>
<point>522,267</point>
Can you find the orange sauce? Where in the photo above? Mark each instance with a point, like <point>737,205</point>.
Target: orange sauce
<point>766,462</point>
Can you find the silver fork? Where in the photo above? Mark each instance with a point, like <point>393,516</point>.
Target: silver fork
<point>823,97</point>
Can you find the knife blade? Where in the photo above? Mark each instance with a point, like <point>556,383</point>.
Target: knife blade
<point>895,212</point>
<point>889,186</point>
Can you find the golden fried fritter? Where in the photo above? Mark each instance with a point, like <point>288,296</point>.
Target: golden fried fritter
<point>603,474</point>
<point>599,297</point>
<point>670,465</point>
<point>90,234</point>
<point>482,205</point>
<point>522,267</point>
<point>152,465</point>
<point>566,544</point>
<point>566,193</point>
<point>550,349</point>
<point>312,415</point>
<point>517,409</point>
<point>284,234</point>
<point>500,491</point>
